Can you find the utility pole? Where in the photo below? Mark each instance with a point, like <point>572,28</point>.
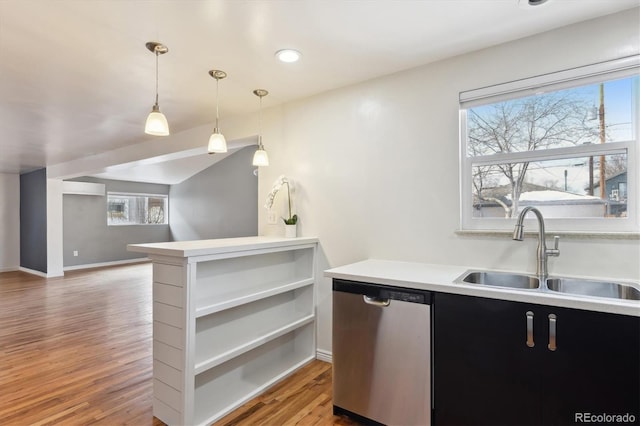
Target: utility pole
<point>591,175</point>
<point>603,188</point>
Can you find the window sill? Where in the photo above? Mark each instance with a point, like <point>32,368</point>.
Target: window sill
<point>565,234</point>
<point>136,224</point>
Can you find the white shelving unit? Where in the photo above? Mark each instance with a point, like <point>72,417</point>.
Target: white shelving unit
<point>230,318</point>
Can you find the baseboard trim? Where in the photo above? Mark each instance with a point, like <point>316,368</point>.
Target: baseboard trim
<point>10,269</point>
<point>325,356</point>
<point>33,272</point>
<point>103,264</point>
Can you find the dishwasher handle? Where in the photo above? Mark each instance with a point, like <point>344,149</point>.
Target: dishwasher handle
<point>376,301</point>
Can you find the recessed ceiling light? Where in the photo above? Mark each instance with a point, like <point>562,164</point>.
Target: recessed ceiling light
<point>531,3</point>
<point>288,55</point>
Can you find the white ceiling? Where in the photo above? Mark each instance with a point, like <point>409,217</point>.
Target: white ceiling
<point>76,78</point>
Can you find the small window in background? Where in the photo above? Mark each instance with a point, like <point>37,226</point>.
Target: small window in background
<point>570,151</point>
<point>136,209</point>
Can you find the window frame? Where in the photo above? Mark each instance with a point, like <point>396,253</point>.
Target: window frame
<point>591,74</point>
<point>139,194</point>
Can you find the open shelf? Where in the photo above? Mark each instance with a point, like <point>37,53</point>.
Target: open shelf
<point>213,304</point>
<point>251,344</point>
<point>229,333</point>
<point>233,279</point>
<point>221,389</point>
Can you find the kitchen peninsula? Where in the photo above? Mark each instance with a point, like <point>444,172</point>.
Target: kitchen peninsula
<point>230,317</point>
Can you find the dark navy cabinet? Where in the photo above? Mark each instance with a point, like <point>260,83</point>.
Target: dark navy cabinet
<point>499,362</point>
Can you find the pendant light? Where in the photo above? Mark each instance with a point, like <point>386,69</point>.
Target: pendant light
<point>156,121</point>
<point>260,158</point>
<point>217,142</point>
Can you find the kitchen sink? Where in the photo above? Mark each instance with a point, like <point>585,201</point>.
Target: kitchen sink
<point>572,286</point>
<point>500,279</point>
<point>582,287</point>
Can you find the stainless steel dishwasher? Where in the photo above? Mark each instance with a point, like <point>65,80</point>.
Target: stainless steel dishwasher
<point>381,353</point>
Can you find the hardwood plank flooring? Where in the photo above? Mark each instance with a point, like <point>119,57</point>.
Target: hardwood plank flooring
<point>302,399</point>
<point>76,350</point>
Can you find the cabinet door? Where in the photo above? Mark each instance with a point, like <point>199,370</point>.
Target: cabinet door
<point>483,371</point>
<point>595,368</point>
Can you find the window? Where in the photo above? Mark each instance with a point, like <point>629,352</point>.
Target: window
<point>566,143</point>
<point>136,209</point>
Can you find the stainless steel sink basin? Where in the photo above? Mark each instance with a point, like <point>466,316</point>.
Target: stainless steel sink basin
<point>500,279</point>
<point>569,286</point>
<point>593,288</point>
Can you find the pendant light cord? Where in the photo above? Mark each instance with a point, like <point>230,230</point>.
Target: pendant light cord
<point>217,100</point>
<point>260,124</point>
<point>156,77</point>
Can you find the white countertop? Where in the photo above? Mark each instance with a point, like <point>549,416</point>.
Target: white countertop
<point>442,278</point>
<point>216,246</point>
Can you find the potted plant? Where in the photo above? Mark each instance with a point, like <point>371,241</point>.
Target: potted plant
<point>290,222</point>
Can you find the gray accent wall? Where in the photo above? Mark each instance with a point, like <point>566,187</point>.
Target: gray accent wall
<point>86,230</point>
<point>33,220</point>
<point>219,202</point>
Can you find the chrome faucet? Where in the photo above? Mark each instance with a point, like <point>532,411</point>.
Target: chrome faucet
<point>543,251</point>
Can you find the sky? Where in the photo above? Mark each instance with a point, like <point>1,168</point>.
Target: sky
<point>620,111</point>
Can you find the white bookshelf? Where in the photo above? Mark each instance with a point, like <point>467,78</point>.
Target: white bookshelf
<point>221,389</point>
<point>230,318</point>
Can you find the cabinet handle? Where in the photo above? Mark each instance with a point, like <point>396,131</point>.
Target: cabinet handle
<point>552,332</point>
<point>376,301</point>
<point>530,329</point>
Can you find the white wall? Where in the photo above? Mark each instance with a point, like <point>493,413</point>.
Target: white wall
<point>376,162</point>
<point>9,222</point>
<point>54,228</point>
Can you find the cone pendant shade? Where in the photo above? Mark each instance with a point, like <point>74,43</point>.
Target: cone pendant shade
<point>217,143</point>
<point>260,158</point>
<point>156,124</point>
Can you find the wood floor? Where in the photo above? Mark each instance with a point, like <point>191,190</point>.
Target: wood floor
<point>302,399</point>
<point>77,351</point>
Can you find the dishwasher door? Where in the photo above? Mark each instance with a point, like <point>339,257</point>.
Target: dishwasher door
<point>381,353</point>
